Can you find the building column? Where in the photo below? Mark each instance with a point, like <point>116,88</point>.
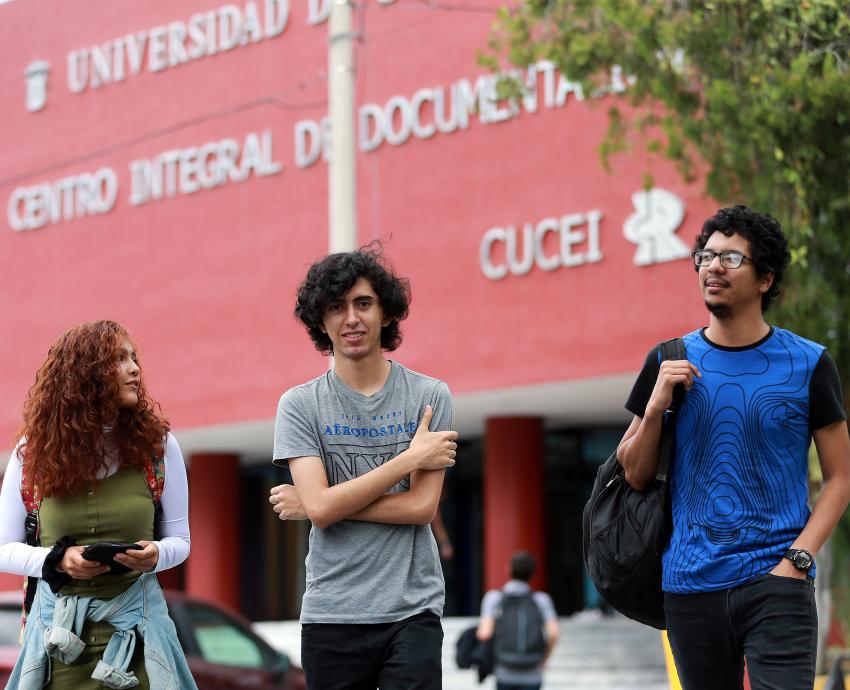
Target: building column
<point>513,497</point>
<point>212,571</point>
<point>12,582</point>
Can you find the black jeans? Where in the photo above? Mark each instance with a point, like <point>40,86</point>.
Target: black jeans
<point>405,655</point>
<point>771,621</point>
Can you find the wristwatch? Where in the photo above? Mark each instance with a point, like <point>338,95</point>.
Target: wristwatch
<point>801,559</point>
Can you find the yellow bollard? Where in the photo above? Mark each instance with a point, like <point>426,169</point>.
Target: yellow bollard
<point>672,676</point>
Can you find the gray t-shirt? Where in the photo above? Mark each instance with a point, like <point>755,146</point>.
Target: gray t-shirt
<point>364,572</point>
<point>490,609</point>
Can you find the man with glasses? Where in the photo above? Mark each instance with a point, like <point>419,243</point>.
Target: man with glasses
<point>738,573</point>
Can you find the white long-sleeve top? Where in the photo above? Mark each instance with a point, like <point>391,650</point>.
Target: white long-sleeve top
<point>19,558</point>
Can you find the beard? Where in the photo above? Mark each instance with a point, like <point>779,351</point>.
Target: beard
<point>720,311</point>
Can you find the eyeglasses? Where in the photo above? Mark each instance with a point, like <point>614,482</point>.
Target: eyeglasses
<point>704,257</point>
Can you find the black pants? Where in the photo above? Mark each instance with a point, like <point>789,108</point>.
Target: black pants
<point>771,621</point>
<point>405,655</point>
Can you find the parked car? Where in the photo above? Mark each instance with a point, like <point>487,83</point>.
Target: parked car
<point>10,629</point>
<point>222,650</point>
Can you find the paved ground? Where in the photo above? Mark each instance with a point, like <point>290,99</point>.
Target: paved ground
<point>593,653</point>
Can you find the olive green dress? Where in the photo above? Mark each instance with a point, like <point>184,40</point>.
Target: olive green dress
<point>119,508</point>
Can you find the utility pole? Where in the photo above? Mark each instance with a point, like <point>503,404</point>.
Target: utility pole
<point>342,170</point>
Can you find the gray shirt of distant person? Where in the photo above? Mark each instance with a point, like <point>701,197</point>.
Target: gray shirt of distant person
<point>364,572</point>
<point>490,609</point>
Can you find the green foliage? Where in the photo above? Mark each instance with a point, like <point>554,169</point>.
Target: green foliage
<point>752,97</point>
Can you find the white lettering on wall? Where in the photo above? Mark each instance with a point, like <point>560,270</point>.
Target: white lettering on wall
<point>179,42</point>
<point>71,197</point>
<point>552,243</point>
<point>443,110</point>
<point>168,174</point>
<point>652,227</point>
<point>312,139</point>
<point>318,11</point>
<point>192,169</point>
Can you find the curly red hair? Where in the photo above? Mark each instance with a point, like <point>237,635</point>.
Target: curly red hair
<point>74,397</point>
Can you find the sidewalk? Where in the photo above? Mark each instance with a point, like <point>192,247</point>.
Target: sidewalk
<point>593,653</point>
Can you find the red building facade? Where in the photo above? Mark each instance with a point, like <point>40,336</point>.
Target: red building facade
<point>164,165</point>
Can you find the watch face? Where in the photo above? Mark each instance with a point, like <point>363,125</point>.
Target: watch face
<point>803,560</point>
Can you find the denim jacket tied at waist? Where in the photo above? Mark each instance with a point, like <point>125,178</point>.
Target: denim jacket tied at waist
<point>56,622</point>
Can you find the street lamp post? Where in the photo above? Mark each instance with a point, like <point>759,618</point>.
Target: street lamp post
<point>342,172</point>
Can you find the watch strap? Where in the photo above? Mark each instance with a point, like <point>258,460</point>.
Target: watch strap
<point>792,554</point>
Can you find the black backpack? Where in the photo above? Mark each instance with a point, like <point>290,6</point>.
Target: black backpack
<point>518,640</point>
<point>625,531</point>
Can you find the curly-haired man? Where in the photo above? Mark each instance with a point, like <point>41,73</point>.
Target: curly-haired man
<point>367,444</point>
<point>738,574</point>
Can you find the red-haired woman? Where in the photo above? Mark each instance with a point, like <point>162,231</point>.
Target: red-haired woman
<point>95,457</point>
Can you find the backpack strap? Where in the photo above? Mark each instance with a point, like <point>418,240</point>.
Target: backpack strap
<point>670,350</point>
<point>31,497</point>
<point>155,477</point>
<point>508,595</point>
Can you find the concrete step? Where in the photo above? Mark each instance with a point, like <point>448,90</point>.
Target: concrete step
<point>593,653</point>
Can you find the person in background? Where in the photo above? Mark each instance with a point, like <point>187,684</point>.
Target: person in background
<point>523,626</point>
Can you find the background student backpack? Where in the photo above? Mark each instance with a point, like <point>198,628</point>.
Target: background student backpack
<point>155,477</point>
<point>518,640</point>
<point>626,531</point>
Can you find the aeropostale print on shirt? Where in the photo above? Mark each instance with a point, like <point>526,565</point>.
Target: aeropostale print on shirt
<point>348,459</point>
<point>364,572</point>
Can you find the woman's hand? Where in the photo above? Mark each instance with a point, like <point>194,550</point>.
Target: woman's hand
<point>78,567</point>
<point>144,561</point>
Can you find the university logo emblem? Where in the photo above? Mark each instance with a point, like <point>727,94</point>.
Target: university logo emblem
<point>652,227</point>
<point>36,85</point>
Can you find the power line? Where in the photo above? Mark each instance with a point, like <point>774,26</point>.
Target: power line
<point>162,131</point>
<point>458,7</point>
<point>274,101</point>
